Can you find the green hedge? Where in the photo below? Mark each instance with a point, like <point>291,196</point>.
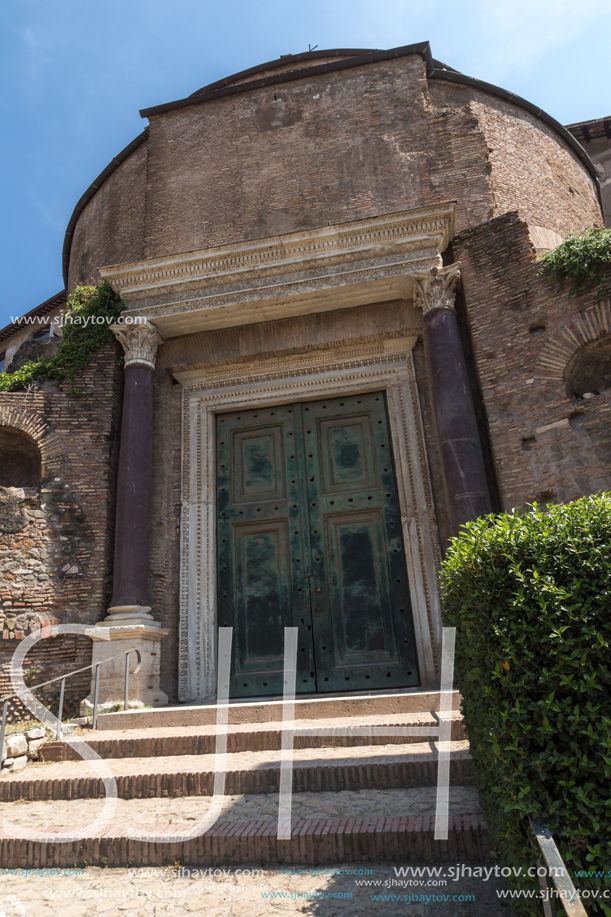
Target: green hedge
<point>530,596</point>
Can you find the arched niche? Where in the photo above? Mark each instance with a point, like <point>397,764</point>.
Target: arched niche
<point>589,369</point>
<point>20,459</point>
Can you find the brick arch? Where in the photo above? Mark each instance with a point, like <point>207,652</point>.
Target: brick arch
<point>50,443</point>
<point>590,325</point>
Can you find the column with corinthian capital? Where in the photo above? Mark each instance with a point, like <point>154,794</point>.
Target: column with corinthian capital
<point>461,450</point>
<point>129,624</point>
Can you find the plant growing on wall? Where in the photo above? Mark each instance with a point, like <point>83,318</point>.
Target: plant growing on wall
<point>530,595</point>
<point>582,260</point>
<point>86,329</point>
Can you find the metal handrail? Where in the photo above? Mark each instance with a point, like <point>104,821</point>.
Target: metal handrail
<point>556,869</point>
<point>62,679</point>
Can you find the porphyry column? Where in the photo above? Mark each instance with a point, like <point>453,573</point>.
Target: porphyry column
<point>130,624</point>
<point>461,450</point>
<point>134,481</point>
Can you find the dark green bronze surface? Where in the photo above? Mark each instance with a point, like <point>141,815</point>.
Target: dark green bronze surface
<point>309,536</point>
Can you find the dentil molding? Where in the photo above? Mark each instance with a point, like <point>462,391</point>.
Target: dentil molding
<point>328,268</point>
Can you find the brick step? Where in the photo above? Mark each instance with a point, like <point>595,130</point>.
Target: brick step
<point>246,772</point>
<point>148,743</point>
<point>313,841</point>
<point>411,701</point>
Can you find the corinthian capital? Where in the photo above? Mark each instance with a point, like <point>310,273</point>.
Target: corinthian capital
<point>436,289</point>
<point>140,342</point>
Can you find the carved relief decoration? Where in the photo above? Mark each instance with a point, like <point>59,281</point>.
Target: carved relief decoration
<point>316,270</point>
<point>421,228</point>
<point>436,289</point>
<point>383,365</point>
<point>139,341</point>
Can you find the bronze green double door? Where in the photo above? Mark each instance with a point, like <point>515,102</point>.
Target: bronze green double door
<point>309,536</point>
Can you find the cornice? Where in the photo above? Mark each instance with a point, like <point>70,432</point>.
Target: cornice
<point>286,275</point>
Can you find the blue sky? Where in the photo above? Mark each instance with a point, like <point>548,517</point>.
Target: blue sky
<point>74,73</point>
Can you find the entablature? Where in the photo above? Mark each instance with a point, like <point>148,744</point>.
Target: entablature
<point>318,270</point>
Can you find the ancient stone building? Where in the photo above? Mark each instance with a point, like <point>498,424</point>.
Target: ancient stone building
<point>343,353</point>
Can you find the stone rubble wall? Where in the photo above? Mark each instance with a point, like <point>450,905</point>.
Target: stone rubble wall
<point>56,540</point>
<point>19,748</point>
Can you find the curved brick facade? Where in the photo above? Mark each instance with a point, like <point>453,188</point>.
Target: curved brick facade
<point>111,227</point>
<point>327,148</point>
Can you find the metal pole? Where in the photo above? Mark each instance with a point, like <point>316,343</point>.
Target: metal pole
<point>126,680</point>
<point>558,871</point>
<point>3,727</point>
<point>96,691</point>
<point>58,734</point>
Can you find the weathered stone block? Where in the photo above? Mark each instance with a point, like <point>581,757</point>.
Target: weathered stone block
<point>16,745</point>
<point>34,747</point>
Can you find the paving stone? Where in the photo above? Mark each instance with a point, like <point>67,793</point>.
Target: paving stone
<point>347,804</point>
<point>229,895</point>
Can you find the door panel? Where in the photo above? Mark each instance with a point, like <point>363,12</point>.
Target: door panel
<point>363,631</point>
<point>310,536</point>
<point>263,601</point>
<point>258,461</point>
<point>346,455</point>
<point>262,582</point>
<point>360,599</point>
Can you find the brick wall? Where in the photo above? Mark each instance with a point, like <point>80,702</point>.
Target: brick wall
<point>56,540</point>
<point>111,227</point>
<point>546,444</point>
<point>532,170</point>
<point>324,149</point>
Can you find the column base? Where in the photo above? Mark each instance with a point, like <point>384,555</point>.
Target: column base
<point>144,689</point>
<point>128,614</point>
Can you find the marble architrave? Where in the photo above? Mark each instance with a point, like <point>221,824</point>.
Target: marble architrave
<point>327,268</point>
<point>384,365</point>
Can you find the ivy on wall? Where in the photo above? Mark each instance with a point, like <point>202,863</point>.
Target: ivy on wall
<point>90,311</point>
<point>582,260</point>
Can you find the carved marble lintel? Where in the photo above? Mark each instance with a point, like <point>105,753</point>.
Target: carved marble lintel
<point>436,289</point>
<point>139,341</point>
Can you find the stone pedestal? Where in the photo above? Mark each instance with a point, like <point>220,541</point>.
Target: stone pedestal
<point>136,632</point>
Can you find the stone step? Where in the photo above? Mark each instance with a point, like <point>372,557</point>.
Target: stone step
<point>328,827</point>
<point>412,701</point>
<point>315,769</point>
<point>314,841</point>
<point>174,740</point>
